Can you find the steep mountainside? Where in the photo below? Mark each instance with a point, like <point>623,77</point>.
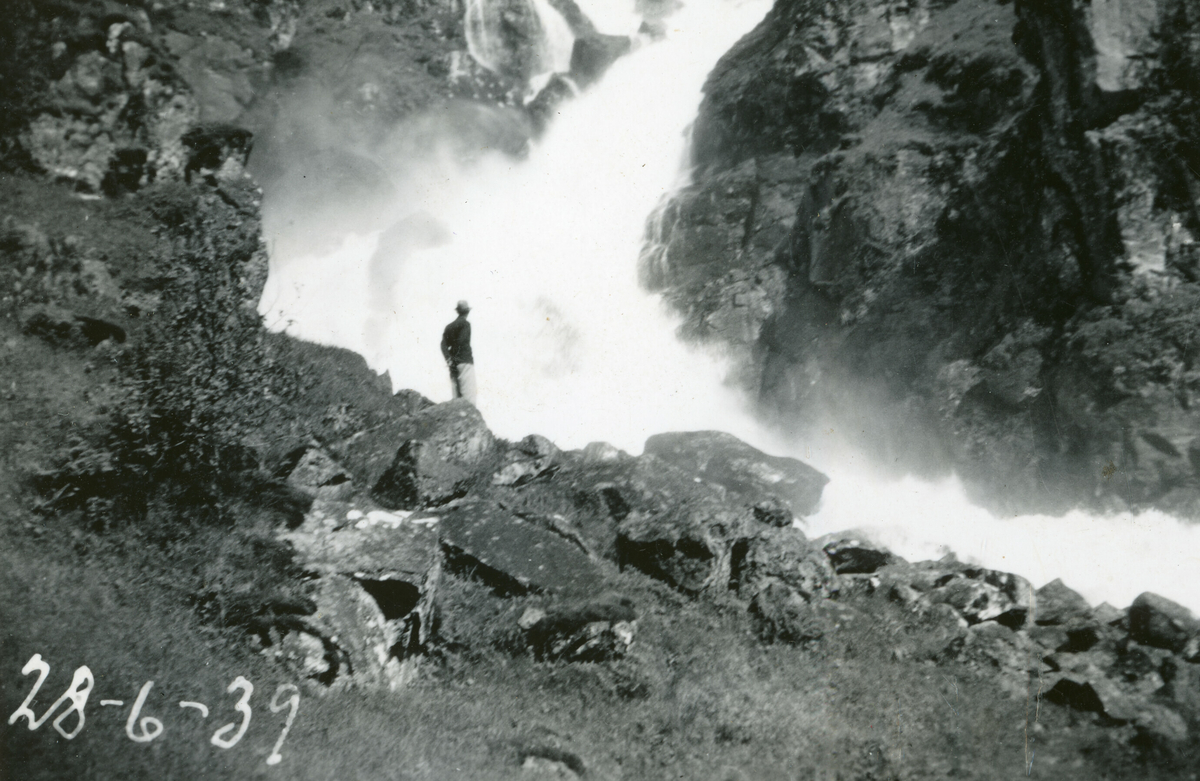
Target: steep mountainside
<point>963,233</point>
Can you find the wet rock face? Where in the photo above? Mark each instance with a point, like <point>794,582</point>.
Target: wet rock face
<point>508,37</point>
<point>864,172</point>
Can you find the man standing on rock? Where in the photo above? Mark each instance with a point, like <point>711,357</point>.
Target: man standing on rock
<point>456,349</point>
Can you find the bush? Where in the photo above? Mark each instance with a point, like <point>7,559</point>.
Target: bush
<point>197,384</point>
<point>171,203</point>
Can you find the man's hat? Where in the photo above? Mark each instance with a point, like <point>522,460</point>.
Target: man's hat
<point>462,306</point>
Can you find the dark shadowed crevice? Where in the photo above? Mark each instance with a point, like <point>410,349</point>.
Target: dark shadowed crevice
<point>617,507</point>
<point>684,564</point>
<point>1014,619</point>
<point>737,562</point>
<point>1081,640</point>
<point>459,563</point>
<point>395,597</point>
<point>1075,695</point>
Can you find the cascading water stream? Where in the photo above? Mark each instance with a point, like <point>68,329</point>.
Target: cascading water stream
<point>567,344</point>
<point>547,44</point>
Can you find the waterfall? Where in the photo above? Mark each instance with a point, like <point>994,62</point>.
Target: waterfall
<point>569,346</point>
<point>545,249</point>
<point>520,38</point>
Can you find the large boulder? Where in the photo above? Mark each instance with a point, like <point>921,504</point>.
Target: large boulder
<point>350,620</point>
<point>760,480</point>
<point>513,555</point>
<point>532,457</point>
<point>853,554</point>
<point>316,474</point>
<point>994,645</point>
<point>1058,604</point>
<point>987,595</point>
<point>1157,621</point>
<point>420,477</point>
<point>415,459</point>
<point>596,490</point>
<point>975,600</point>
<point>785,556</point>
<point>1153,720</point>
<point>688,544</point>
<point>376,577</point>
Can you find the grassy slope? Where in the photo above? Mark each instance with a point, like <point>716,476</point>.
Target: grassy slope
<point>717,701</point>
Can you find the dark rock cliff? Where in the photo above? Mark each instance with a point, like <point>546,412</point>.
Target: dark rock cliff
<point>961,232</point>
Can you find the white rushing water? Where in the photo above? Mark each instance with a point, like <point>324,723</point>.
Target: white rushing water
<point>485,21</point>
<point>568,346</point>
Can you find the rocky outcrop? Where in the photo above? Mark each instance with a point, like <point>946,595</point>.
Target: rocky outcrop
<point>1161,623</point>
<point>852,555</point>
<point>775,486</point>
<point>1057,604</point>
<point>688,545</point>
<point>422,458</point>
<point>782,556</point>
<point>782,615</point>
<point>512,554</point>
<point>376,577</point>
<point>971,220</point>
<point>1112,663</point>
<point>115,118</point>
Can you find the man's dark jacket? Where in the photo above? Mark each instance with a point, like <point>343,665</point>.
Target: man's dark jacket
<point>456,342</point>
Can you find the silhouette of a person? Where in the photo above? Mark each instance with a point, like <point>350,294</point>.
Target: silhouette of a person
<point>456,349</point>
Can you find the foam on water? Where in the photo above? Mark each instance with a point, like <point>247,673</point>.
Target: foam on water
<point>1105,558</point>
<point>567,344</point>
